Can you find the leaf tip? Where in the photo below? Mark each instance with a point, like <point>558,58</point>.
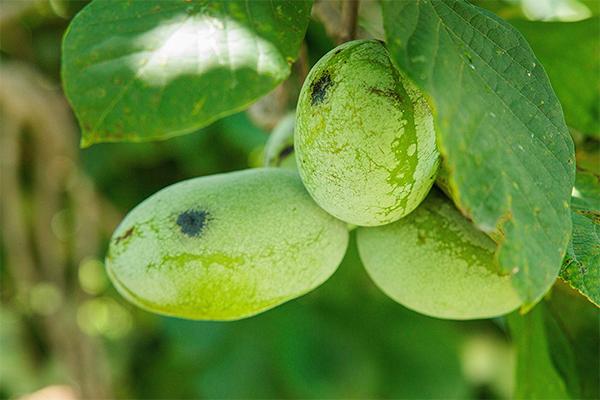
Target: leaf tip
<point>526,307</point>
<point>85,142</point>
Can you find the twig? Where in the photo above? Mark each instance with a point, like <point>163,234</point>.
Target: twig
<point>302,64</point>
<point>349,20</point>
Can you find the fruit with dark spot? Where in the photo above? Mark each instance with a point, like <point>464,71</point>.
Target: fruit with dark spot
<point>364,140</point>
<point>225,246</point>
<point>434,261</point>
<point>192,222</point>
<point>318,89</point>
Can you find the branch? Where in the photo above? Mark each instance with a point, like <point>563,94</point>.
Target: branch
<point>349,20</point>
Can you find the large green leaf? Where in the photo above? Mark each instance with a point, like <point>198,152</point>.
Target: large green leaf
<point>582,264</point>
<point>152,69</point>
<point>536,375</point>
<point>500,129</point>
<point>557,347</point>
<point>570,53</point>
<point>577,321</point>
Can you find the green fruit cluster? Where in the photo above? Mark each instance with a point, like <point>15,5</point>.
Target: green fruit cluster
<point>360,151</point>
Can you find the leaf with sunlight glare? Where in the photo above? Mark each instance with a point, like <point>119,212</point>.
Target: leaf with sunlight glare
<point>147,70</point>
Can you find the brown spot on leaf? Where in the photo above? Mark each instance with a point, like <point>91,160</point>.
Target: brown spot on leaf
<point>591,214</point>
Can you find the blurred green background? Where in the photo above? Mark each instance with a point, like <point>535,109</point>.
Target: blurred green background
<point>66,331</point>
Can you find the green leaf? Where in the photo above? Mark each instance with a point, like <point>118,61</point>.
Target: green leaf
<point>579,323</point>
<point>500,129</point>
<point>581,268</point>
<point>147,70</point>
<point>592,5</point>
<point>561,351</point>
<point>536,375</point>
<point>570,53</point>
<point>557,347</point>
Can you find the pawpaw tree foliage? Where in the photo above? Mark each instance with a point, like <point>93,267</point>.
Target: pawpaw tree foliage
<point>441,89</point>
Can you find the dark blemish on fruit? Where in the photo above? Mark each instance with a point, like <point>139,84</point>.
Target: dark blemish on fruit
<point>318,89</point>
<point>124,236</point>
<point>286,151</point>
<point>192,222</point>
<point>392,94</point>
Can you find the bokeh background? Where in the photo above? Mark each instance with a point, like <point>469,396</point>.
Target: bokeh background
<point>65,331</point>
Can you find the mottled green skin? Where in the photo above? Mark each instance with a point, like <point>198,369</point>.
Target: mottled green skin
<point>364,140</point>
<point>264,241</point>
<point>279,150</point>
<point>437,263</point>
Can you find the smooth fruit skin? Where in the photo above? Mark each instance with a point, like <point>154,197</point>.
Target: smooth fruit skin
<point>364,140</point>
<point>437,263</point>
<point>226,246</point>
